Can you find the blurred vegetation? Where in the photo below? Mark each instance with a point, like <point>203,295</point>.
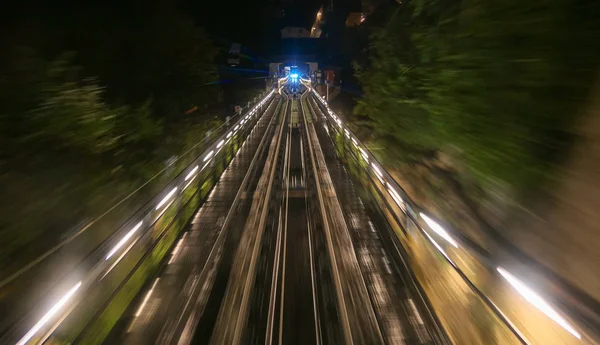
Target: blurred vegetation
<point>497,86</point>
<point>93,100</point>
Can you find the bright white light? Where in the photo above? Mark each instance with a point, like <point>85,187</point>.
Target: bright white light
<point>166,207</point>
<point>191,173</point>
<point>236,127</point>
<point>294,75</point>
<point>220,144</point>
<point>439,248</point>
<point>377,171</point>
<point>166,198</point>
<point>538,301</point>
<point>364,154</point>
<point>354,142</point>
<point>438,229</point>
<point>189,183</point>
<point>139,311</point>
<point>347,134</point>
<point>395,196</point>
<point>123,240</point>
<point>48,315</point>
<point>229,134</point>
<point>208,155</point>
<point>116,262</point>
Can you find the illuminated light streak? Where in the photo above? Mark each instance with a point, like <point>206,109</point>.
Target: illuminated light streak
<point>433,225</point>
<point>191,173</point>
<point>124,240</point>
<point>49,315</point>
<point>166,198</point>
<point>537,301</point>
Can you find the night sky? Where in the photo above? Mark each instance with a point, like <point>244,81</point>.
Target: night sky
<point>254,24</point>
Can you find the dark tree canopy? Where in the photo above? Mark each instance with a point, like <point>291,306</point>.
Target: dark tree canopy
<point>500,83</point>
<point>92,102</point>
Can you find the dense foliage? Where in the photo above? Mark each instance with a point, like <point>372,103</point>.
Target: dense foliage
<point>93,101</point>
<point>497,86</point>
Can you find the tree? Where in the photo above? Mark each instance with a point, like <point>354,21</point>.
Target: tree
<point>89,111</point>
<point>495,82</point>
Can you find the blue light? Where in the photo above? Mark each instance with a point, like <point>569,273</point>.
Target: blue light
<point>294,76</point>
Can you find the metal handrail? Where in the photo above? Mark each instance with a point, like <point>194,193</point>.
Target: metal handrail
<point>148,211</point>
<point>434,324</point>
<point>107,302</point>
<point>7,280</point>
<point>411,210</point>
